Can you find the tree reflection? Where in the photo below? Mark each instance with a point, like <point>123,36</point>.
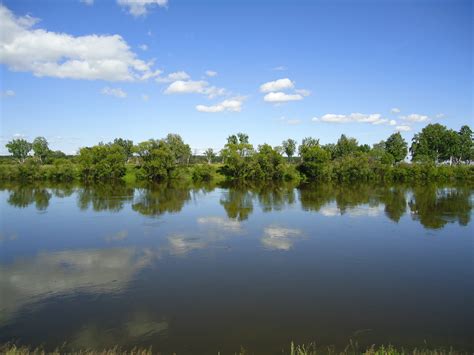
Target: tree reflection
<point>435,207</point>
<point>104,197</point>
<point>237,201</point>
<point>24,195</point>
<point>395,202</point>
<point>156,199</point>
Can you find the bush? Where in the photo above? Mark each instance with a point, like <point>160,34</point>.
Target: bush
<point>203,172</point>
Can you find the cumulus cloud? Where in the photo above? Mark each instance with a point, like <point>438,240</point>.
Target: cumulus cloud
<point>194,87</point>
<point>280,97</point>
<point>175,76</point>
<point>303,92</point>
<point>395,110</point>
<point>117,92</point>
<point>415,117</point>
<point>277,85</point>
<point>211,73</point>
<point>403,128</point>
<point>143,47</point>
<point>45,53</point>
<point>232,105</point>
<point>140,7</point>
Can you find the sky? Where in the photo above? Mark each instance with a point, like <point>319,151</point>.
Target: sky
<point>82,71</point>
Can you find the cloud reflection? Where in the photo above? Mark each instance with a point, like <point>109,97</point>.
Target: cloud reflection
<point>279,238</point>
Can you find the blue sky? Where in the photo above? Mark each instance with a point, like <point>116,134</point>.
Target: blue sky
<point>80,72</point>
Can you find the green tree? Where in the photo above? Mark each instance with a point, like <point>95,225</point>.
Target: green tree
<point>307,143</point>
<point>127,146</point>
<point>41,149</point>
<point>429,144</point>
<point>210,155</point>
<point>19,148</point>
<point>101,162</point>
<point>345,146</point>
<point>289,147</point>
<point>314,163</point>
<point>396,146</point>
<point>180,150</point>
<point>466,144</point>
<point>157,160</point>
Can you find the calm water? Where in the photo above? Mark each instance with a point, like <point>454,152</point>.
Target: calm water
<point>212,268</point>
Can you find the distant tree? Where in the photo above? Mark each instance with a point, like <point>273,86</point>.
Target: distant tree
<point>210,155</point>
<point>364,148</point>
<point>289,147</point>
<point>127,146</point>
<point>397,147</point>
<point>345,146</point>
<point>19,148</point>
<point>41,149</point>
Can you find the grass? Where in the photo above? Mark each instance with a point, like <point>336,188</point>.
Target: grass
<point>310,349</point>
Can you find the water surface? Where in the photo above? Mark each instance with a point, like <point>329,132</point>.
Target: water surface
<point>205,268</point>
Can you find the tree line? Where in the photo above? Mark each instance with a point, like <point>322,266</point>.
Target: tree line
<point>436,152</point>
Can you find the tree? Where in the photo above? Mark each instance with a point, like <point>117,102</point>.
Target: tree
<point>466,144</point>
<point>41,149</point>
<point>397,147</point>
<point>345,146</point>
<point>433,143</point>
<point>157,160</point>
<point>103,161</point>
<point>306,144</point>
<point>19,148</point>
<point>180,150</point>
<point>289,147</point>
<point>127,146</point>
<point>209,154</point>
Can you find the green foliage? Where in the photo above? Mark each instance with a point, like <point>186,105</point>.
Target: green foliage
<point>102,162</point>
<point>203,172</point>
<point>345,146</point>
<point>19,148</point>
<point>353,167</point>
<point>127,146</point>
<point>41,148</point>
<point>210,155</point>
<point>157,160</point>
<point>289,147</point>
<point>314,163</point>
<point>397,147</point>
<point>181,152</point>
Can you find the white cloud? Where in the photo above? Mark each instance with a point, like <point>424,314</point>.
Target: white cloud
<point>395,110</point>
<point>279,238</point>
<point>175,76</point>
<point>143,47</point>
<point>373,118</point>
<point>211,73</point>
<point>233,105</point>
<point>303,92</point>
<point>7,93</point>
<point>117,92</point>
<point>194,87</point>
<point>220,222</point>
<point>140,7</point>
<point>440,115</point>
<point>280,97</point>
<point>415,117</point>
<point>277,85</point>
<point>403,128</point>
<point>45,53</point>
